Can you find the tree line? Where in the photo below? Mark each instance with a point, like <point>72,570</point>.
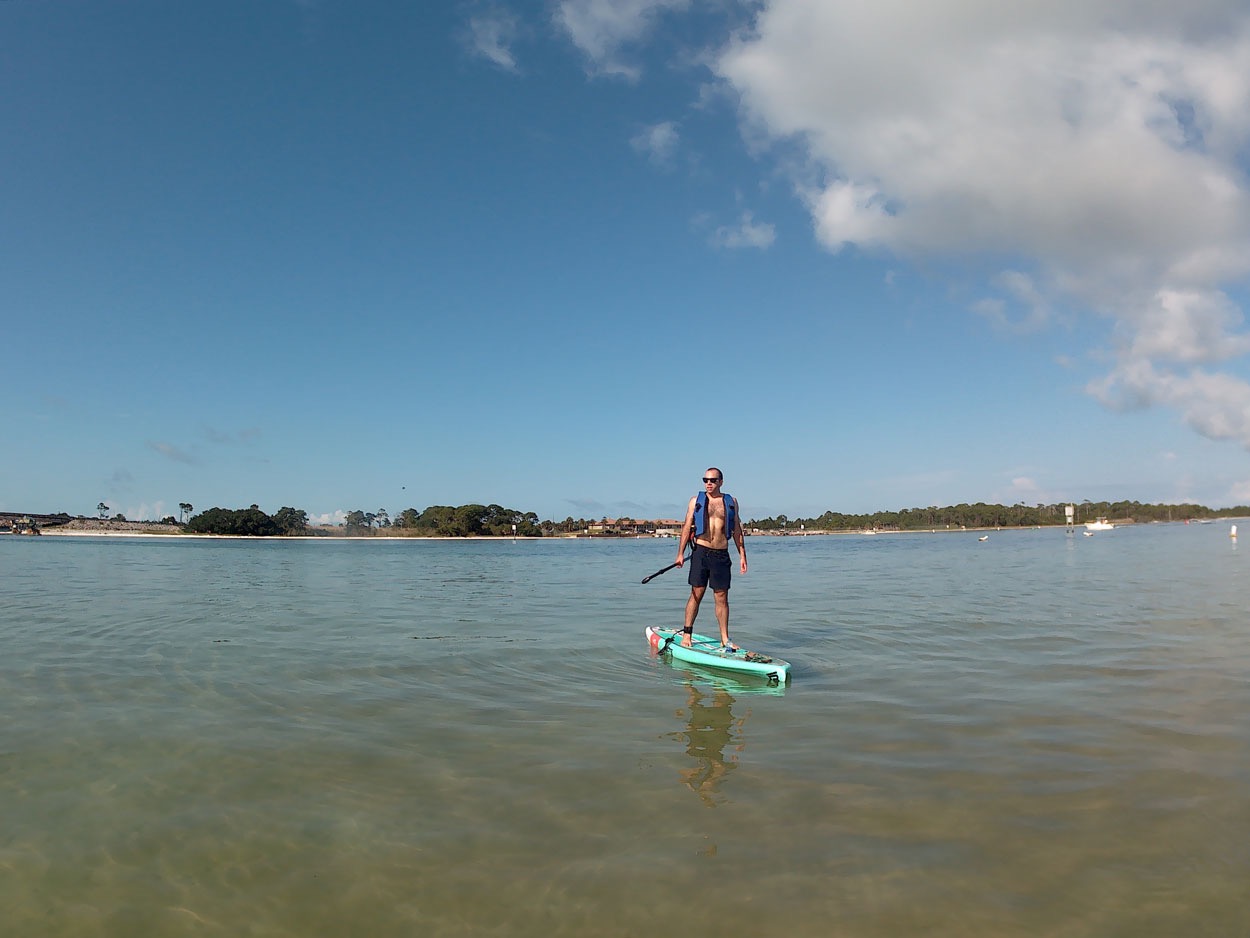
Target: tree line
<point>435,521</point>
<point>982,515</point>
<point>496,521</point>
<point>249,522</point>
<point>448,521</point>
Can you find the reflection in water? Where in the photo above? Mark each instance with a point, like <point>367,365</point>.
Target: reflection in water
<point>710,727</point>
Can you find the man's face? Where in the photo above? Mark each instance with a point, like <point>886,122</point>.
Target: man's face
<point>712,480</point>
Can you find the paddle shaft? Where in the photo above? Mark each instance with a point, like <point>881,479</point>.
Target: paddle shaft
<point>668,641</point>
<point>648,579</point>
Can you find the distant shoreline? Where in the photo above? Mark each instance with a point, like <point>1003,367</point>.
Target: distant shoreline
<point>173,532</point>
<point>335,538</point>
<point>104,527</point>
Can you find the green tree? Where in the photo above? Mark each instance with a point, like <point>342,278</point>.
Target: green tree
<point>291,521</point>
<point>439,520</point>
<point>243,522</point>
<point>471,520</point>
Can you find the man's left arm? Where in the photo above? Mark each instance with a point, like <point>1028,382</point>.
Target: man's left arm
<point>739,539</point>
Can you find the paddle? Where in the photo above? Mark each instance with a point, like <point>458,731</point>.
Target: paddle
<point>648,579</point>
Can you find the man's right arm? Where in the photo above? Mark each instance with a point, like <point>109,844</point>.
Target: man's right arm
<point>687,529</point>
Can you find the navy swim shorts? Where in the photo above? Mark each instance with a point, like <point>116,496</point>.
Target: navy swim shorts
<point>709,567</point>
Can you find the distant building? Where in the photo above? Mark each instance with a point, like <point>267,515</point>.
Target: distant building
<point>633,527</point>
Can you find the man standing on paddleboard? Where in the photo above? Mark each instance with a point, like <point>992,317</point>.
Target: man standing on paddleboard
<point>712,519</point>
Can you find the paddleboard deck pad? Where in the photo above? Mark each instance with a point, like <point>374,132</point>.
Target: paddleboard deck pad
<point>709,653</point>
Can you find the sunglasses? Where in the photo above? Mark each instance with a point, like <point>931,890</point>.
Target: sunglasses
<point>706,480</point>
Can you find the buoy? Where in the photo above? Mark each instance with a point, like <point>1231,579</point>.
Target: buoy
<point>1233,532</point>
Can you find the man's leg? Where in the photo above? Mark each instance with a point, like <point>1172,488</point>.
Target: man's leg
<point>692,610</point>
<point>722,613</point>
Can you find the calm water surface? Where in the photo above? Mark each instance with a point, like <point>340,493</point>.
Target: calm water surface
<point>1038,734</point>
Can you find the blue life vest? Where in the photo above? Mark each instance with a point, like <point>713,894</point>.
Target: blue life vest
<point>700,514</point>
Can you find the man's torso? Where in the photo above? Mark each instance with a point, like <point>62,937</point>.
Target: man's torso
<point>714,529</point>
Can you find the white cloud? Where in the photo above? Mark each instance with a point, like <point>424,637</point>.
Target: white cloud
<point>975,129</point>
<point>1192,326</point>
<point>748,233</point>
<point>600,28</point>
<point>850,213</point>
<point>1214,404</point>
<point>1095,149</point>
<point>1166,341</point>
<point>1023,485</point>
<point>492,35</point>
<point>657,142</point>
<point>1024,294</point>
<point>1027,491</point>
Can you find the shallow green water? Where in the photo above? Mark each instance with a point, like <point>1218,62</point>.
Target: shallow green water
<point>1035,735</point>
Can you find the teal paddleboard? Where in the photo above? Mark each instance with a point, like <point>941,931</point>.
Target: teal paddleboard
<point>708,652</point>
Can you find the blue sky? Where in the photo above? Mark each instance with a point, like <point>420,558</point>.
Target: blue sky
<point>562,256</point>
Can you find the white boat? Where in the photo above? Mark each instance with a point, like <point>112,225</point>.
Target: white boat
<point>1102,524</point>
